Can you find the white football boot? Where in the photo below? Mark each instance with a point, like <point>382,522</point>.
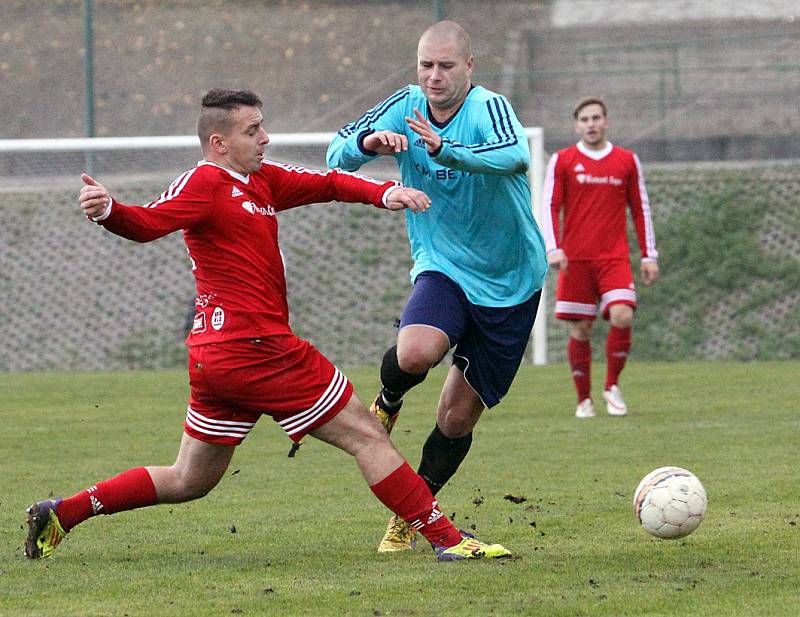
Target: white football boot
<point>585,409</point>
<point>615,406</point>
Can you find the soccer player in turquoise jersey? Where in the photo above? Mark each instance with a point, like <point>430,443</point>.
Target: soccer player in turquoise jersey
<point>479,258</point>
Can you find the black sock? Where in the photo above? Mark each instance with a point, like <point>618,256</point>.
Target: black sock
<point>395,381</point>
<point>441,457</point>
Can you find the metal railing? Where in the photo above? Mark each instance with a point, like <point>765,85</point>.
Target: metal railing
<point>675,47</point>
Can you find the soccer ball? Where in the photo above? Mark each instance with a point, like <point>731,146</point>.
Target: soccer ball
<point>670,502</point>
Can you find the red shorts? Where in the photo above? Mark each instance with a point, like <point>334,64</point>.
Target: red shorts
<point>587,283</point>
<point>234,383</point>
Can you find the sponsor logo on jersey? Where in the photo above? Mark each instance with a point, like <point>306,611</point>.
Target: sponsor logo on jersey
<point>254,209</point>
<point>235,192</point>
<point>217,318</point>
<point>441,173</point>
<point>199,323</point>
<point>419,143</point>
<point>579,167</point>
<point>590,179</point>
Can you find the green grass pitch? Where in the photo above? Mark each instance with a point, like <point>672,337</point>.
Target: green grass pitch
<point>297,536</point>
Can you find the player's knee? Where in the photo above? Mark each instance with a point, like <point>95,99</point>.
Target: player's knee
<point>366,429</point>
<point>581,330</point>
<point>455,424</point>
<point>621,316</point>
<point>456,428</point>
<point>370,437</point>
<point>622,322</point>
<point>187,487</point>
<point>417,358</point>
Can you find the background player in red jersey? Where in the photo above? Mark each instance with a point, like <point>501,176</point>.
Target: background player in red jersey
<point>593,182</point>
<point>244,360</point>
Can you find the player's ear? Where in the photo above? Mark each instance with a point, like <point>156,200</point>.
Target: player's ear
<point>217,144</point>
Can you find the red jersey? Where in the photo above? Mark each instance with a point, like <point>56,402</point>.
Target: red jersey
<point>594,188</point>
<point>231,232</point>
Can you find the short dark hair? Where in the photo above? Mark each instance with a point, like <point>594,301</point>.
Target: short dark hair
<point>589,100</point>
<point>230,99</point>
<point>215,114</point>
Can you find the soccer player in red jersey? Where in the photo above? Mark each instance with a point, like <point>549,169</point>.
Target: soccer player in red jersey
<point>593,182</point>
<point>244,360</point>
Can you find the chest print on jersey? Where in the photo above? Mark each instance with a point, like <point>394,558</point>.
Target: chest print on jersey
<point>252,208</point>
<point>590,179</point>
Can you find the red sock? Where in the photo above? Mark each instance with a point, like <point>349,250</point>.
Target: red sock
<point>406,494</point>
<point>129,490</point>
<point>579,354</point>
<point>618,344</point>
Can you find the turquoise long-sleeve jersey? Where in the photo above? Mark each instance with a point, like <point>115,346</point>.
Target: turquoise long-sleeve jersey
<point>479,230</point>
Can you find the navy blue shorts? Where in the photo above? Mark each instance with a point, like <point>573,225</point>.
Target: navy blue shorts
<point>489,341</point>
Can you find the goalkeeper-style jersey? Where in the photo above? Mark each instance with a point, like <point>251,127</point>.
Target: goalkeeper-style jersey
<point>231,232</point>
<point>479,230</point>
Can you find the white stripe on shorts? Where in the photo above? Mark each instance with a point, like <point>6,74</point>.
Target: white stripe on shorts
<point>296,423</point>
<point>576,308</point>
<point>616,294</point>
<point>217,428</point>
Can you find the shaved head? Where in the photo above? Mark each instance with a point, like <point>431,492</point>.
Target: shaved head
<point>448,31</point>
<point>444,68</point>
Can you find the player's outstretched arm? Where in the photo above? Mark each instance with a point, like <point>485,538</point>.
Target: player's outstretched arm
<point>186,208</point>
<point>379,131</point>
<point>403,197</point>
<point>94,198</point>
